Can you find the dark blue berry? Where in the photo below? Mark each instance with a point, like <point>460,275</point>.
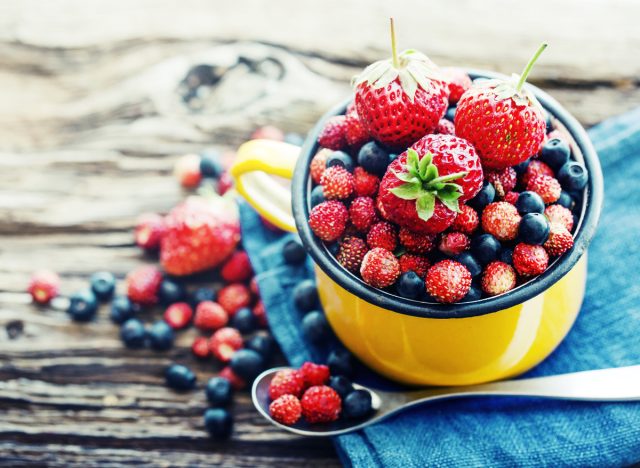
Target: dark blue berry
<point>566,200</point>
<point>201,295</point>
<point>210,165</point>
<point>83,305</point>
<point>161,336</point>
<point>474,294</point>
<point>305,295</point>
<point>261,344</point>
<point>218,423</point>
<point>219,391</point>
<point>506,256</point>
<point>171,291</point>
<point>555,153</point>
<point>133,334</point>
<point>520,168</point>
<point>410,285</point>
<point>548,121</point>
<point>470,262</point>
<point>485,248</point>
<point>180,377</point>
<point>341,385</point>
<point>122,309</point>
<point>373,158</point>
<point>340,158</point>
<point>485,196</point>
<point>315,326</point>
<point>317,196</point>
<point>572,176</point>
<point>534,229</point>
<point>340,362</point>
<point>243,320</point>
<point>293,252</point>
<point>247,364</point>
<point>451,113</point>
<point>103,284</point>
<point>357,405</point>
<point>529,202</point>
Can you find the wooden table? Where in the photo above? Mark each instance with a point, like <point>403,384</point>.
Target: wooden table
<point>94,110</point>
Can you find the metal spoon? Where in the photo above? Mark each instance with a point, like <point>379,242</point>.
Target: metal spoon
<point>615,384</point>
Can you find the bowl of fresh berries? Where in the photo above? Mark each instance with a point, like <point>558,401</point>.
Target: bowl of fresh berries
<point>448,213</point>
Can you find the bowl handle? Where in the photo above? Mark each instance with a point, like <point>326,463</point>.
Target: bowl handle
<point>256,161</point>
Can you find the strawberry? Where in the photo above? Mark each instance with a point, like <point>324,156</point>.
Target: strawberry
<point>314,374</point>
<point>458,81</point>
<point>234,297</point>
<point>502,119</point>
<point>351,252</point>
<point>511,197</point>
<point>503,180</point>
<point>448,281</point>
<point>356,135</point>
<point>401,99</point>
<point>328,220</point>
<point>260,313</point>
<point>559,214</point>
<point>467,220</point>
<point>415,263</point>
<point>547,187</point>
<point>187,171</point>
<point>445,127</point>
<point>559,241</point>
<point>333,134</point>
<point>200,234</point>
<point>178,315</point>
<point>383,235</point>
<point>362,213</point>
<point>530,260</point>
<point>501,219</point>
<point>286,410</point>
<point>224,343</point>
<point>319,164</point>
<point>200,347</point>
<point>418,191</point>
<point>210,316</point>
<point>237,267</point>
<point>453,243</point>
<point>536,168</point>
<point>149,231</point>
<point>498,278</point>
<point>43,286</point>
<point>415,242</point>
<point>321,404</point>
<point>364,184</point>
<point>337,183</point>
<point>380,268</point>
<point>143,284</point>
<point>351,109</point>
<point>234,379</point>
<point>286,382</point>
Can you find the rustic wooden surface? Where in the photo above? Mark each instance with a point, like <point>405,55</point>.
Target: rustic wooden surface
<point>93,113</point>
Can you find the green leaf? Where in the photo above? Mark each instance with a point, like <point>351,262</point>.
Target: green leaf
<point>406,177</point>
<point>448,177</point>
<point>453,205</point>
<point>413,159</point>
<point>423,165</point>
<point>386,78</point>
<point>408,83</point>
<point>425,205</point>
<point>432,173</point>
<point>408,191</point>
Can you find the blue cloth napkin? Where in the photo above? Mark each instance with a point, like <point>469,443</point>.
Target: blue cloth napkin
<point>508,431</point>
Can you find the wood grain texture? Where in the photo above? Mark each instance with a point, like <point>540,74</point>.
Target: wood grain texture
<point>97,102</point>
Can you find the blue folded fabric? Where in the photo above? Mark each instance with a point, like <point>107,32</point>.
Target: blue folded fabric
<point>508,431</point>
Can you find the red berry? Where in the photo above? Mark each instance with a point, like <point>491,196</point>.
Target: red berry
<point>365,184</point>
<point>415,242</point>
<point>253,286</point>
<point>200,347</point>
<point>351,253</point>
<point>559,214</point>
<point>547,187</point>
<point>356,135</point>
<point>319,164</point>
<point>467,220</point>
<point>501,219</point>
<point>314,374</point>
<point>286,382</point>
<point>446,127</point>
<point>362,213</point>
<point>149,231</point>
<point>210,316</point>
<point>225,183</point>
<point>383,235</point>
<point>530,260</point>
<point>511,197</point>
<point>187,171</point>
<point>351,109</point>
<point>43,286</point>
<point>143,284</point>
<point>333,135</point>
<point>498,278</point>
<point>260,313</point>
<point>234,297</point>
<point>178,315</point>
<point>416,263</point>
<point>337,183</point>
<point>328,220</point>
<point>237,268</point>
<point>380,268</point>
<point>535,168</point>
<point>235,380</point>
<point>559,241</point>
<point>503,180</point>
<point>286,410</point>
<point>321,404</point>
<point>453,243</point>
<point>448,281</point>
<point>268,132</point>
<point>459,81</point>
<point>224,343</point>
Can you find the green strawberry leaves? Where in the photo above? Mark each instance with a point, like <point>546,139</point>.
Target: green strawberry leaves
<point>423,184</point>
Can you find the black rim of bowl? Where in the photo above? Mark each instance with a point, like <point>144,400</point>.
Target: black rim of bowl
<point>592,204</point>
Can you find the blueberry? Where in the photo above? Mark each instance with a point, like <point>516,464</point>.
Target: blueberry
<point>133,333</point>
<point>171,291</point>
<point>305,295</point>
<point>410,285</point>
<point>210,165</point>
<point>103,284</point>
<point>83,305</point>
<point>357,405</point>
<point>341,385</point>
<point>315,326</point>
<point>555,153</point>
<point>474,294</point>
<point>451,113</point>
<point>548,121</point>
<point>201,295</point>
<point>340,158</point>
<point>218,423</point>
<point>393,157</point>
<point>317,196</point>
<point>261,344</point>
<point>340,362</point>
<point>506,256</point>
<point>219,391</point>
<point>534,229</point>
<point>520,168</point>
<point>247,364</point>
<point>243,320</point>
<point>294,139</point>
<point>470,262</point>
<point>373,158</point>
<point>529,202</point>
<point>485,196</point>
<point>122,309</point>
<point>485,248</point>
<point>180,377</point>
<point>293,252</point>
<point>572,176</point>
<point>161,336</point>
<point>566,200</point>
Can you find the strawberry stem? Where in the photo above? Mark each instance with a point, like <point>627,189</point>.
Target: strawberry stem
<point>394,50</point>
<point>529,66</point>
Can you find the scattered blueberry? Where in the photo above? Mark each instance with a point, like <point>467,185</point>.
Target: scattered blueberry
<point>470,262</point>
<point>555,153</point>
<point>133,333</point>
<point>529,202</point>
<point>451,113</point>
<point>261,344</point>
<point>180,377</point>
<point>373,158</point>
<point>340,362</point>
<point>218,423</point>
<point>566,200</point>
<point>317,195</point>
<point>474,294</point>
<point>520,168</point>
<point>357,405</point>
<point>210,164</point>
<point>485,248</point>
<point>506,256</point>
<point>485,196</point>
<point>341,385</point>
<point>171,292</point>
<point>572,176</point>
<point>161,336</point>
<point>293,252</point>
<point>410,285</point>
<point>201,295</point>
<point>294,139</point>
<point>340,158</point>
<point>83,305</point>
<point>534,229</point>
<point>103,284</point>
<point>243,320</point>
<point>305,295</point>
<point>315,326</point>
<point>247,364</point>
<point>122,309</point>
<point>219,391</point>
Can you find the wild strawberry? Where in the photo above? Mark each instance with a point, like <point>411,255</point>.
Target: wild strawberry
<point>333,135</point>
<point>268,132</point>
<point>498,278</point>
<point>448,281</point>
<point>445,127</point>
<point>328,220</point>
<point>503,180</point>
<point>397,113</point>
<point>351,253</point>
<point>319,164</point>
<point>364,184</point>
<point>415,242</point>
<point>149,231</point>
<point>362,213</point>
<point>559,214</point>
<point>422,187</point>
<point>416,263</point>
<point>356,135</point>
<point>511,197</point>
<point>187,170</point>
<point>453,243</point>
<point>459,81</point>
<point>321,404</point>
<point>234,297</point>
<point>143,284</point>
<point>210,316</point>
<point>314,374</point>
<point>224,343</point>
<point>260,314</point>
<point>502,120</point>
<point>225,183</point>
<point>178,315</point>
<point>43,286</point>
<point>337,183</point>
<point>234,379</point>
<point>286,382</point>
<point>467,220</point>
<point>200,233</point>
<point>286,410</point>
<point>501,219</point>
<point>536,168</point>
<point>530,260</point>
<point>237,268</point>
<point>382,235</point>
<point>200,347</point>
<point>547,187</point>
<point>380,268</point>
<point>559,241</point>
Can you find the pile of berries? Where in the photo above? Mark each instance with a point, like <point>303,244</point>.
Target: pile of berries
<point>437,188</point>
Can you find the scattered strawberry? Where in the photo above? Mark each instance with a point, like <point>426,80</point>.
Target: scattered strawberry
<point>333,135</point>
<point>337,183</point>
<point>225,183</point>
<point>380,268</point>
<point>210,316</point>
<point>328,220</point>
<point>43,286</point>
<point>365,184</point>
<point>268,132</point>
<point>459,82</point>
<point>234,297</point>
<point>314,374</point>
<point>149,231</point>
<point>237,267</point>
<point>321,404</point>
<point>351,253</point>
<point>362,213</point>
<point>511,197</point>
<point>224,343</point>
<point>260,314</point>
<point>536,168</point>
<point>445,127</point>
<point>356,135</point>
<point>187,171</point>
<point>448,281</point>
<point>143,284</point>
<point>498,278</point>
<point>319,164</point>
<point>200,347</point>
<point>530,260</point>
<point>467,220</point>
<point>383,235</point>
<point>415,263</point>
<point>547,187</point>
<point>235,380</point>
<point>286,382</point>
<point>559,241</point>
<point>415,242</point>
<point>501,219</point>
<point>286,410</point>
<point>178,315</point>
<point>503,180</point>
<point>453,243</point>
<point>559,214</point>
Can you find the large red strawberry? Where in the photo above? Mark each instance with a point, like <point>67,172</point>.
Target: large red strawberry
<point>502,119</point>
<point>200,234</point>
<point>422,187</point>
<point>401,99</point>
